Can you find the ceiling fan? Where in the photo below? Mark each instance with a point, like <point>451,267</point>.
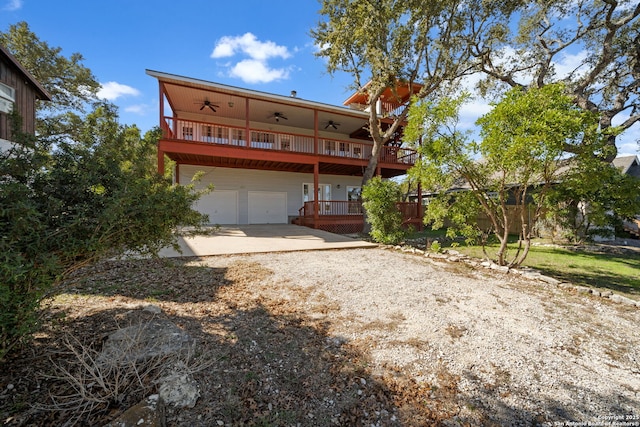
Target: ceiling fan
<point>332,124</point>
<point>278,116</point>
<point>207,103</point>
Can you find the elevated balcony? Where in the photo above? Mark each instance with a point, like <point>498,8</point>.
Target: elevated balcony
<point>196,142</point>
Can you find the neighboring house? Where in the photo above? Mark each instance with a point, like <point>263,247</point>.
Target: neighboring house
<point>18,90</point>
<point>273,158</point>
<point>629,165</point>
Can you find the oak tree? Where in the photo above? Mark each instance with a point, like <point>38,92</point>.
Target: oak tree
<point>516,161</point>
<point>387,44</point>
<point>592,46</point>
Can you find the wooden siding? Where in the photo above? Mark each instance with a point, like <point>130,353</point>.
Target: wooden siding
<point>27,93</point>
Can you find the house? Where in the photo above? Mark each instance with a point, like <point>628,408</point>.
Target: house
<point>273,158</point>
<point>19,90</point>
<point>629,165</point>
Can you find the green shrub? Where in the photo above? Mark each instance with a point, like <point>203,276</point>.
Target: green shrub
<point>380,203</point>
<point>62,208</point>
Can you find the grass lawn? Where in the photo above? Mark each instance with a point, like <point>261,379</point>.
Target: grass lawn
<point>615,270</point>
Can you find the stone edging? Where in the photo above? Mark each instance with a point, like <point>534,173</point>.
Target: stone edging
<point>449,255</point>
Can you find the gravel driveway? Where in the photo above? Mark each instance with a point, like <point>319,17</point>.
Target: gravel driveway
<point>520,352</point>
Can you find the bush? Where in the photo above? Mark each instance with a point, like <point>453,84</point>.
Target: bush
<point>91,197</point>
<point>380,199</point>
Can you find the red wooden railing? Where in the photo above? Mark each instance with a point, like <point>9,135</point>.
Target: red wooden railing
<point>203,132</point>
<point>336,207</point>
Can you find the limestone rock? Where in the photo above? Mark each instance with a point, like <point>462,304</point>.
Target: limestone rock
<point>147,413</point>
<point>152,338</point>
<point>178,388</point>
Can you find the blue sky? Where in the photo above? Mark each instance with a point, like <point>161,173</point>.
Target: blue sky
<point>255,44</point>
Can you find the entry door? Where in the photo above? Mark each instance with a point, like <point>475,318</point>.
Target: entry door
<point>324,192</point>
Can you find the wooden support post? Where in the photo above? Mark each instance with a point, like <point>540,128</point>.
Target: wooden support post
<point>246,125</point>
<point>419,208</point>
<point>315,132</point>
<point>316,184</point>
<point>160,161</point>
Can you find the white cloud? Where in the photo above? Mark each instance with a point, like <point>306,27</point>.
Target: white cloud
<point>250,46</point>
<point>254,71</point>
<point>140,109</point>
<point>255,68</point>
<point>13,5</point>
<point>570,62</point>
<point>114,90</point>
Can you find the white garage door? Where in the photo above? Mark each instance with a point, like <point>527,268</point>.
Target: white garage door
<point>220,205</point>
<point>266,207</point>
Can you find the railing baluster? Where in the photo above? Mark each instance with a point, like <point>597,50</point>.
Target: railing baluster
<point>210,133</point>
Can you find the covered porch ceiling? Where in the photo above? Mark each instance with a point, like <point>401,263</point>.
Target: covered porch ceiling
<point>198,99</point>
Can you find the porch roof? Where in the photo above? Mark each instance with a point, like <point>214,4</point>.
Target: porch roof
<point>186,95</point>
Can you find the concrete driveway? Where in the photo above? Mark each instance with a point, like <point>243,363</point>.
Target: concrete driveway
<point>243,239</point>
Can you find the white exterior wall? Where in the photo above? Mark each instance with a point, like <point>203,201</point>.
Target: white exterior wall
<point>244,181</point>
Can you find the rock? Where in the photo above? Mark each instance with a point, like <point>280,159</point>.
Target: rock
<point>500,268</point>
<point>178,388</point>
<point>547,279</point>
<point>151,308</point>
<point>622,299</point>
<point>151,338</point>
<point>583,290</point>
<point>147,413</point>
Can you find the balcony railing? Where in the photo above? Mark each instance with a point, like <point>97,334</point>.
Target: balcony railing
<point>331,207</point>
<point>340,208</point>
<point>203,132</point>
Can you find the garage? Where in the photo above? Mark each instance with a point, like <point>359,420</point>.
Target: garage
<point>267,207</point>
<point>220,205</point>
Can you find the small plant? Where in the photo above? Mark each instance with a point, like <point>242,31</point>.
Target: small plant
<point>435,246</point>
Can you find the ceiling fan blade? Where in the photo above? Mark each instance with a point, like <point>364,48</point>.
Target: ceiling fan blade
<point>202,107</point>
<point>212,109</point>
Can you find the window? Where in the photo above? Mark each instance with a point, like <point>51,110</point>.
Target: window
<point>187,133</point>
<point>357,152</point>
<point>207,133</point>
<point>329,147</point>
<point>222,138</point>
<point>285,143</point>
<point>238,136</point>
<point>7,98</point>
<point>262,140</point>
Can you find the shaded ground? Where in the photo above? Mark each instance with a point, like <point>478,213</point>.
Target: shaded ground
<point>356,337</point>
<point>271,364</point>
